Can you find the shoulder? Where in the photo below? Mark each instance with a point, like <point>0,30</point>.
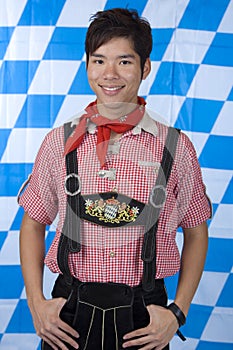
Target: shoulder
<point>157,122</point>
<point>53,143</point>
<point>184,141</point>
<point>55,136</point>
<point>155,125</point>
<point>185,147</point>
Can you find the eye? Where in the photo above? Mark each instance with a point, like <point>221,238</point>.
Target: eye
<point>98,61</point>
<point>125,62</point>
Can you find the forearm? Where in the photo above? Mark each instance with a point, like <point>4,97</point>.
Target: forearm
<point>32,249</point>
<point>45,313</point>
<point>192,265</point>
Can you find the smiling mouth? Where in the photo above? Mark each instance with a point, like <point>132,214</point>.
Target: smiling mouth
<point>111,88</point>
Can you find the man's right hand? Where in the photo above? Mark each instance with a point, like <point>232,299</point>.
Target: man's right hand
<point>49,325</point>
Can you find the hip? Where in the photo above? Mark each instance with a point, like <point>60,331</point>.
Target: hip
<point>92,309</point>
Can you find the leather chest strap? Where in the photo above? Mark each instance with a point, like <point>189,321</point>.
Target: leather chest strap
<point>157,201</point>
<point>70,237</point>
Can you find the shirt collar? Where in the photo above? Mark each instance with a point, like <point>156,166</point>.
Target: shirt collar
<point>146,123</point>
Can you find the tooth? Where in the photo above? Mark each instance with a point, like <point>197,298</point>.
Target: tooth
<point>112,89</point>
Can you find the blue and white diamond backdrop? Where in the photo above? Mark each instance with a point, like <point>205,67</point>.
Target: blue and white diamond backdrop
<point>43,83</point>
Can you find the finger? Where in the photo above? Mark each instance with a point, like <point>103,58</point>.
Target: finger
<point>64,337</point>
<point>152,346</point>
<point>66,328</point>
<point>45,339</point>
<point>137,333</point>
<point>58,337</point>
<point>61,324</point>
<point>148,346</point>
<point>137,342</point>
<point>55,343</point>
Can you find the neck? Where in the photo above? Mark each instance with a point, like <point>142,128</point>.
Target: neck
<point>115,110</point>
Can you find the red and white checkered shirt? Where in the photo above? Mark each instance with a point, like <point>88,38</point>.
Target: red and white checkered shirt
<point>114,254</point>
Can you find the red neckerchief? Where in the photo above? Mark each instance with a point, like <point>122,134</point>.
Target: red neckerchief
<point>105,126</point>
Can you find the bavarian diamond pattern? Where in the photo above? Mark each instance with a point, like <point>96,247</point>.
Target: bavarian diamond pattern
<point>43,83</point>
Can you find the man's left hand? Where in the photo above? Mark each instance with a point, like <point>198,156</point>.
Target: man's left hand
<point>162,327</point>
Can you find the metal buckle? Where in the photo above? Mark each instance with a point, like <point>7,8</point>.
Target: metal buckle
<point>109,174</point>
<point>76,176</point>
<point>152,195</point>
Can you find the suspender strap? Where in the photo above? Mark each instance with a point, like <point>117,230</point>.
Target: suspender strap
<point>157,200</point>
<point>70,236</point>
<point>71,226</point>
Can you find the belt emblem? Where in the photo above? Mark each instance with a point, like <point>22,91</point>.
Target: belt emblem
<point>111,210</point>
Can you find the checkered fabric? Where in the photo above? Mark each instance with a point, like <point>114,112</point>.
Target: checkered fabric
<point>189,208</point>
<point>43,83</point>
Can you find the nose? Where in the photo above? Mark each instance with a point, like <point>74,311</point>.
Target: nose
<point>110,71</point>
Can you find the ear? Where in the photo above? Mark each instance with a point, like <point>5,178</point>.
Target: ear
<point>146,69</point>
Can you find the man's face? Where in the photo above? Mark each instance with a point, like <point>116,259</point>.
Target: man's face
<point>114,72</point>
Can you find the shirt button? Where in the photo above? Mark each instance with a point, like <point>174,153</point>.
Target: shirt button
<point>114,190</point>
<point>112,254</point>
<point>101,173</point>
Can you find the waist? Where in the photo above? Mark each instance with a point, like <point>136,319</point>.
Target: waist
<point>62,289</point>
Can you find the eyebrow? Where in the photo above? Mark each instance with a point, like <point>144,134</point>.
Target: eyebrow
<point>97,55</point>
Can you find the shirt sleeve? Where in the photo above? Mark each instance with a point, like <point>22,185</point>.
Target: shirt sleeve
<point>194,206</point>
<point>39,199</point>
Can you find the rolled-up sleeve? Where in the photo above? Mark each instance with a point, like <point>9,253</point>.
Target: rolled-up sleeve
<point>194,204</point>
<point>39,199</point>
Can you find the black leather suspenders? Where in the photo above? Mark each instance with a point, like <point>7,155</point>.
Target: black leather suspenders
<point>70,237</point>
<point>157,200</point>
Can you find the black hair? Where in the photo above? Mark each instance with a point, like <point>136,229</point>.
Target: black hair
<point>119,22</point>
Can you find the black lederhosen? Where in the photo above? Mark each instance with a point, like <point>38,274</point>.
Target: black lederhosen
<point>140,314</point>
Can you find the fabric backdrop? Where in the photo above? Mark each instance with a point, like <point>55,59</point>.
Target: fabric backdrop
<point>43,83</point>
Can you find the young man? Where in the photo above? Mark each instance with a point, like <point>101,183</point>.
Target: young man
<point>118,149</point>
